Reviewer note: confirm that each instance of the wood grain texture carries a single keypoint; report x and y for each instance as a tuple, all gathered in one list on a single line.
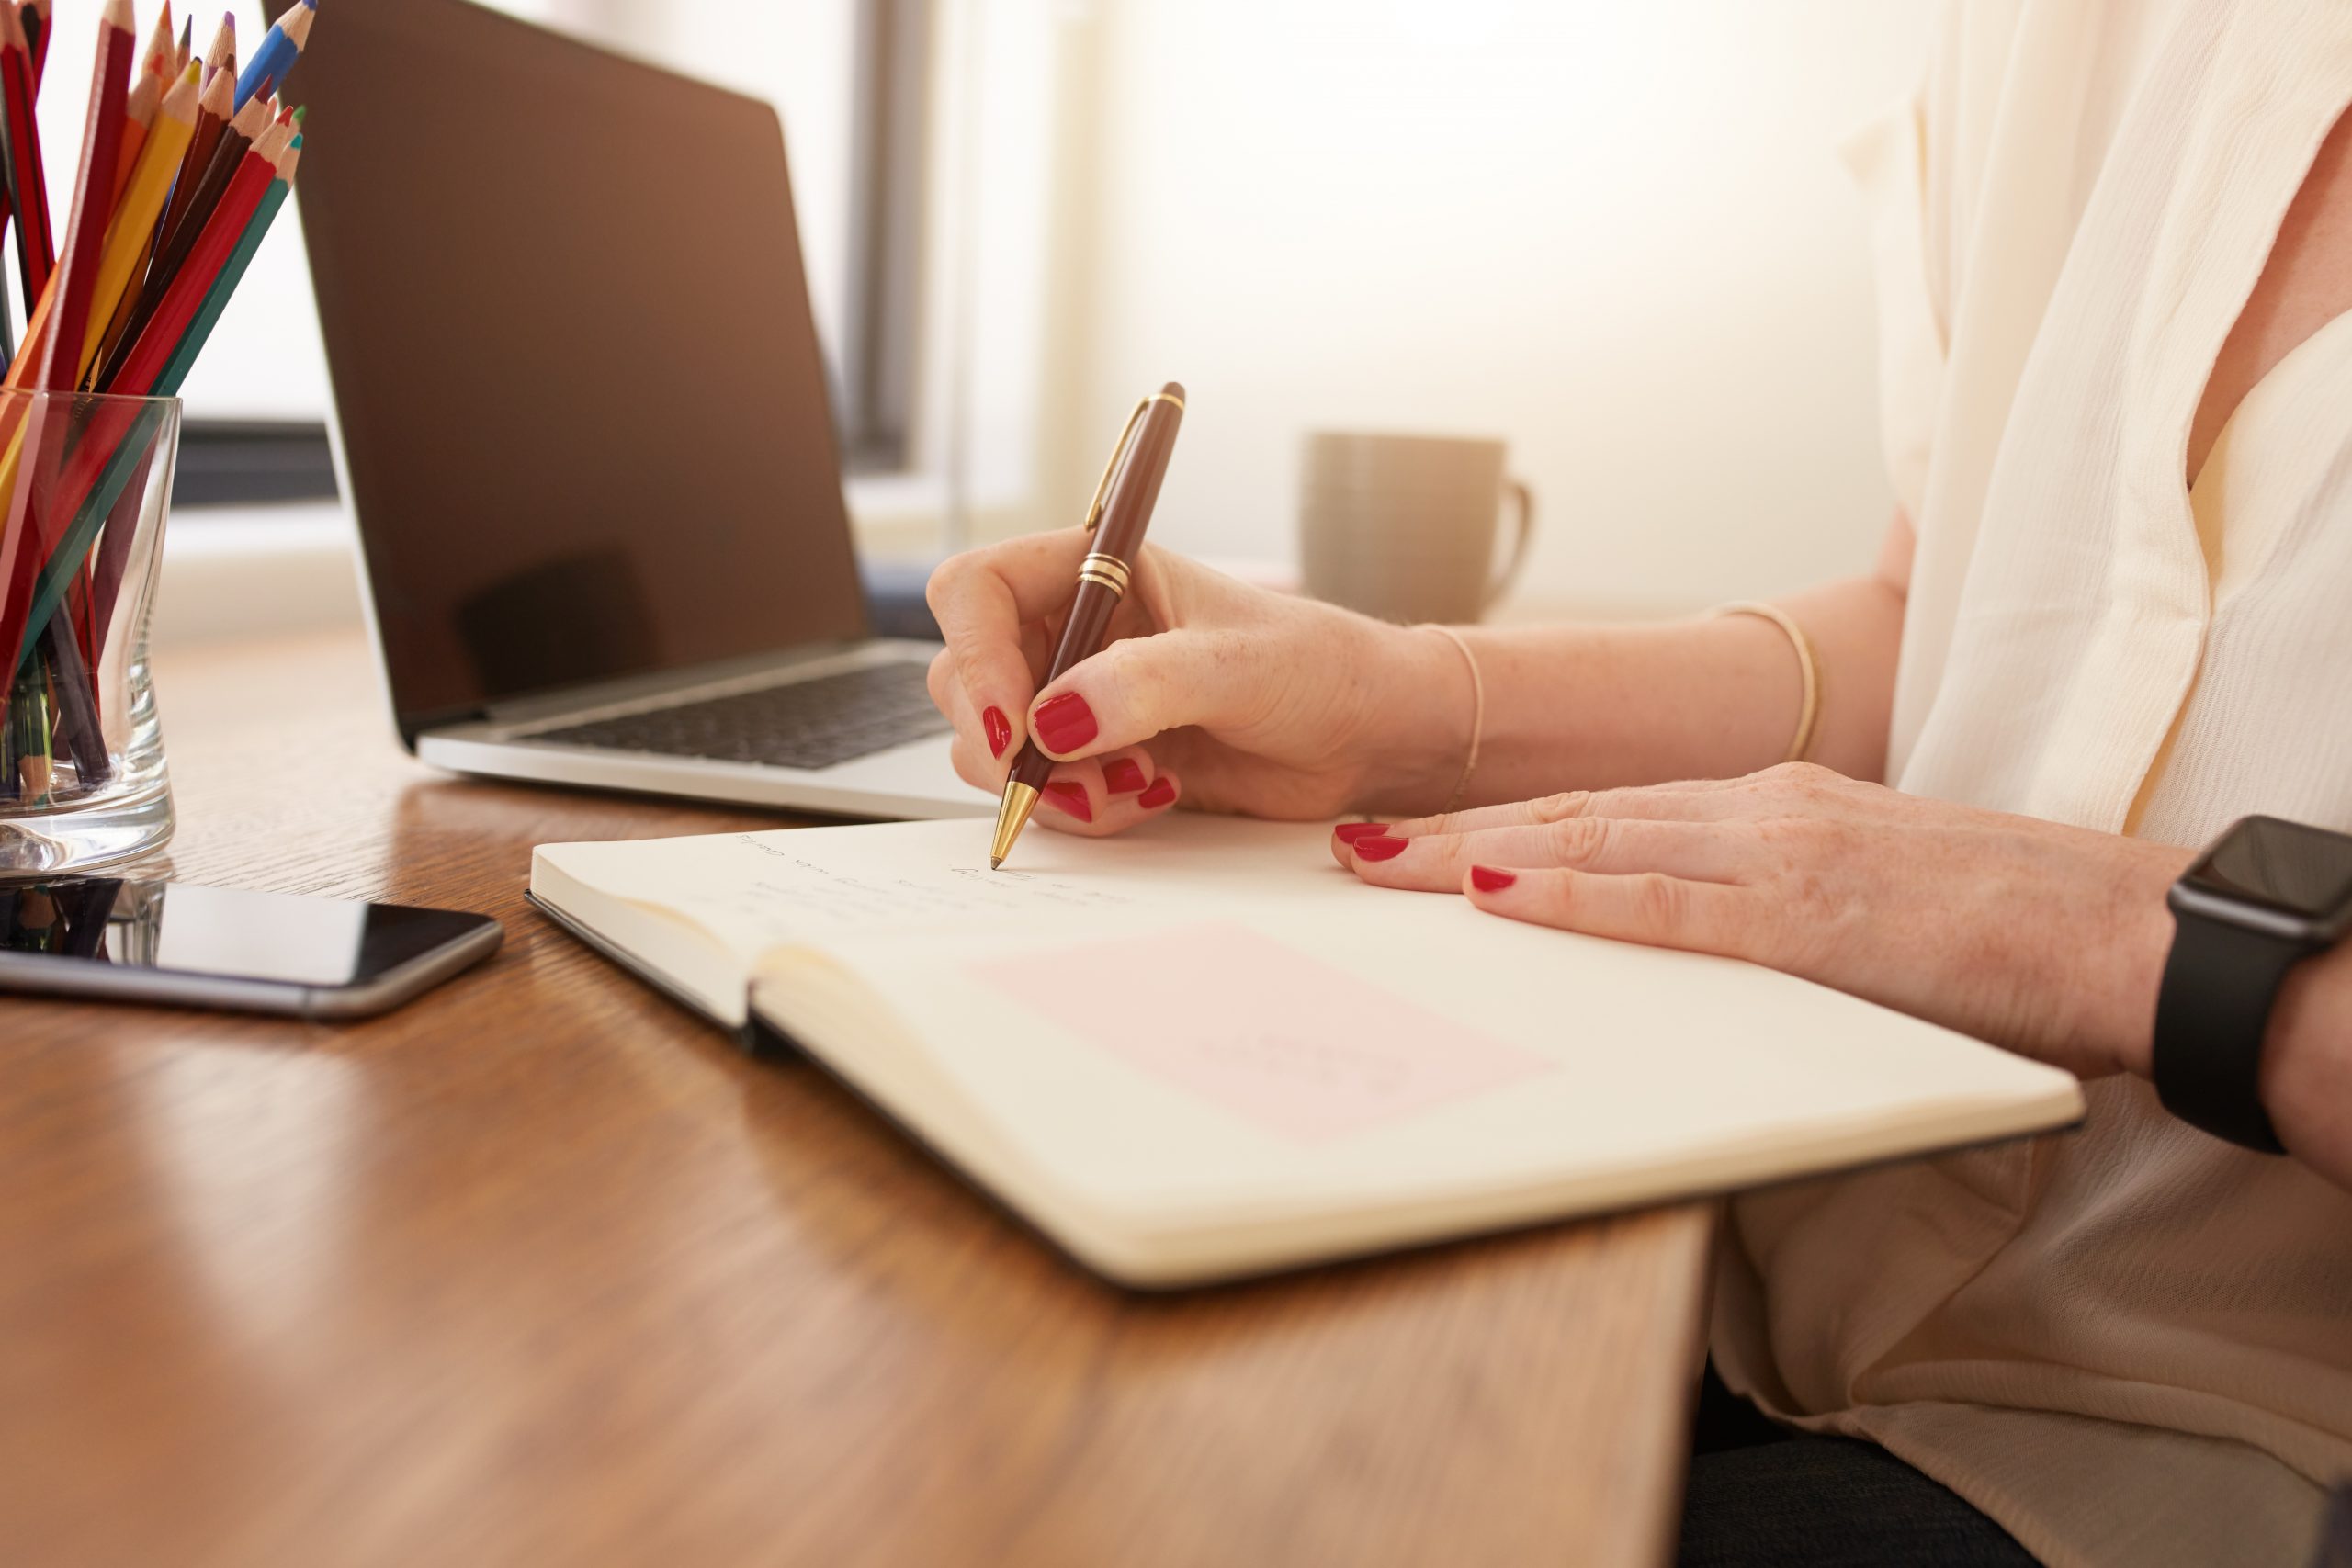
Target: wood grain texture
[(539, 1271)]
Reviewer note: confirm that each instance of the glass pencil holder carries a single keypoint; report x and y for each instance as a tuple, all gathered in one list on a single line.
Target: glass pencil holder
[(86, 481)]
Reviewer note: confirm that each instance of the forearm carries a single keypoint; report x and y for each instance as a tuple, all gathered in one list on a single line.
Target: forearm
[(1593, 707), (2307, 1065)]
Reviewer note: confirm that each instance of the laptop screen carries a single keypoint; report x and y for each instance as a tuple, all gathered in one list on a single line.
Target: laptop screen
[(582, 407)]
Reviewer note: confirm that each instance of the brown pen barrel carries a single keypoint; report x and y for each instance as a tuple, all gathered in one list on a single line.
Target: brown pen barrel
[(1090, 618), (1118, 539)]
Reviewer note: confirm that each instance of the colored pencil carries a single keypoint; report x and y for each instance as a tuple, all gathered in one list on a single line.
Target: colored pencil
[(35, 248), (112, 555), (222, 56), (78, 732), (27, 537), (278, 53), (188, 38), (183, 360), (108, 449), (142, 206), (36, 37), (93, 209), (192, 279), (155, 75), (212, 113), (128, 239), (211, 125), (178, 231)]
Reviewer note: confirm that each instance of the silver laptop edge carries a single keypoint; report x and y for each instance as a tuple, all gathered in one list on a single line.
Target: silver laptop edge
[(913, 780)]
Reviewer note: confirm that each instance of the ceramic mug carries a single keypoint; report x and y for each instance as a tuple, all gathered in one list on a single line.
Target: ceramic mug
[(1403, 527)]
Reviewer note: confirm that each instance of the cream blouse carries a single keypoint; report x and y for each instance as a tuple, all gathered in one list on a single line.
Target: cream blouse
[(2131, 1344)]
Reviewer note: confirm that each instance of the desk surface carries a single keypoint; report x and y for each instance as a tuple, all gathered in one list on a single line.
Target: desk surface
[(539, 1271)]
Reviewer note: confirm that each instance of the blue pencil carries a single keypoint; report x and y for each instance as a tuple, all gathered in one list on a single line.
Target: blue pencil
[(278, 53)]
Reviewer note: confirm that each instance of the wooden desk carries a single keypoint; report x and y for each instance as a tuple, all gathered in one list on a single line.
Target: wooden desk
[(539, 1270)]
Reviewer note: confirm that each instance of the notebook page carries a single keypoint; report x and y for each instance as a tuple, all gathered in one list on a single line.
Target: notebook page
[(756, 892), (1471, 1052)]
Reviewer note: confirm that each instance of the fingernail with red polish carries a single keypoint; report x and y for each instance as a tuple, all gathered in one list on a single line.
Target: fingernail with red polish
[(1160, 792), (1071, 797), (1065, 724), (1487, 879), (1122, 776), (1379, 846), (999, 731), (1351, 832)]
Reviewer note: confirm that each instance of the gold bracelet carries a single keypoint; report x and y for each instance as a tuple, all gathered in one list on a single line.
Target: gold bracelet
[(1477, 712), (1807, 666)]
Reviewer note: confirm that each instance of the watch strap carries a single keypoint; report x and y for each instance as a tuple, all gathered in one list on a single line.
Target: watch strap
[(2211, 1014)]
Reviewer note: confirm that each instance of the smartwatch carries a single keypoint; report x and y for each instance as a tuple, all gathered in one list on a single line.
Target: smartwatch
[(2266, 894)]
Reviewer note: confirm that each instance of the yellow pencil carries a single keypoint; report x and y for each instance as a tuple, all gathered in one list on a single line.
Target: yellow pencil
[(142, 203)]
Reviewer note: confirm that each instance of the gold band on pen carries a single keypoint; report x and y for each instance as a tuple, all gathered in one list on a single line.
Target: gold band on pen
[(1108, 570)]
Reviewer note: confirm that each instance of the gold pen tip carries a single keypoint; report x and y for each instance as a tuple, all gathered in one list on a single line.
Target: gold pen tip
[(1019, 800)]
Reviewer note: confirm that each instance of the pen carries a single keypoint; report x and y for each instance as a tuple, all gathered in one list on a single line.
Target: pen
[(1116, 517)]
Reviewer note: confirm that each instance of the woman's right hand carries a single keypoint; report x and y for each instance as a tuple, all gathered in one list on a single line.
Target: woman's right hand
[(1231, 697)]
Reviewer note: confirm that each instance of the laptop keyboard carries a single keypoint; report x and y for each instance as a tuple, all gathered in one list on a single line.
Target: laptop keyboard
[(802, 724)]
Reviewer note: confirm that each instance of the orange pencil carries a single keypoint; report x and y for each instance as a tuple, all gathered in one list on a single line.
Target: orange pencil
[(146, 97)]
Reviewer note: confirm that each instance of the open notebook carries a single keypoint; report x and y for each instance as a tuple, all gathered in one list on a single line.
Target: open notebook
[(1203, 1050)]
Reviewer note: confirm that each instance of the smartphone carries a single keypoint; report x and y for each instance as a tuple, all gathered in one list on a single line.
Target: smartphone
[(218, 947)]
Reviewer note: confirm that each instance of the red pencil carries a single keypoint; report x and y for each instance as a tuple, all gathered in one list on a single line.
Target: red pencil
[(86, 227), (36, 29), (36, 250), (193, 282)]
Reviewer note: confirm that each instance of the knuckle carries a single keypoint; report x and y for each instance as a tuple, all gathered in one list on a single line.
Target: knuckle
[(1577, 840), (1564, 807), (1663, 903), (1137, 679), (946, 582), (1801, 781)]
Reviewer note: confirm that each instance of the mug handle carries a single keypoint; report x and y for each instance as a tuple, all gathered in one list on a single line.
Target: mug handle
[(1524, 535)]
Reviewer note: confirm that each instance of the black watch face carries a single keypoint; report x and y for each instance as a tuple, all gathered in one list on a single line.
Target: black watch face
[(2282, 866)]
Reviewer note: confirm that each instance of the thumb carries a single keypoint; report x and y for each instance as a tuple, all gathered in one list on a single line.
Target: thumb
[(1139, 686)]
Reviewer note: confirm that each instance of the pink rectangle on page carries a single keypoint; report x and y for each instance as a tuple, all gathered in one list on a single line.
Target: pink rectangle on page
[(1278, 1038)]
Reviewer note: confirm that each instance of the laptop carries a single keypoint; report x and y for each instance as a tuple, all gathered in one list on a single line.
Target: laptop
[(581, 416)]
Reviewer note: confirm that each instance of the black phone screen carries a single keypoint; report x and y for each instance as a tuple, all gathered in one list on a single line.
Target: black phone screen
[(178, 928)]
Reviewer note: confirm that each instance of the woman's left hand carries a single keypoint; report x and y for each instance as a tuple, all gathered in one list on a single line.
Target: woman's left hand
[(2046, 939)]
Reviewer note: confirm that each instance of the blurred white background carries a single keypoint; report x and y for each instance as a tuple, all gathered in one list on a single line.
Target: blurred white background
[(1617, 235)]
